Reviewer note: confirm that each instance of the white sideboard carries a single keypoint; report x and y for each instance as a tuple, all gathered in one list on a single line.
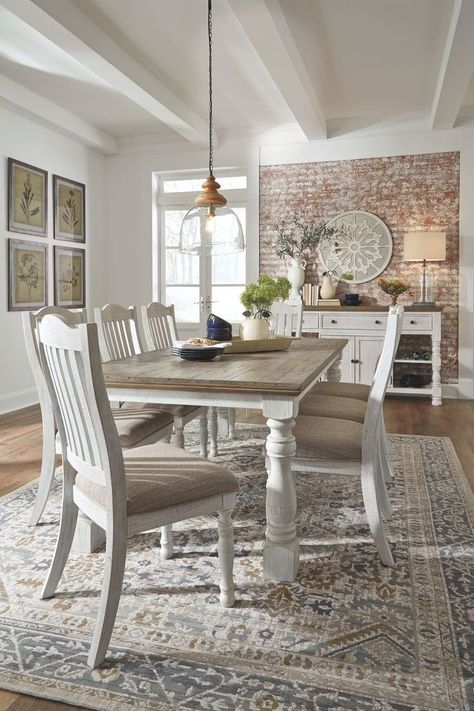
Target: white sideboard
[(364, 326)]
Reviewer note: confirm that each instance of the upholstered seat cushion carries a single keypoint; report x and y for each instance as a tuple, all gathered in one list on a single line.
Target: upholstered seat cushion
[(358, 391), (161, 475), (344, 408), (135, 422), (328, 438)]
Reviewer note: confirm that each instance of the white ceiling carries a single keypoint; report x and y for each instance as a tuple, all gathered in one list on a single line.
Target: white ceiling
[(140, 68)]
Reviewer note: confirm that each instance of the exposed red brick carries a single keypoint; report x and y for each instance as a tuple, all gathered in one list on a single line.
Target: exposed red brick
[(406, 192)]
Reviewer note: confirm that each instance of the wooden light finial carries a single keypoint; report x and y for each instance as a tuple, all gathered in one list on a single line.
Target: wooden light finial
[(210, 194)]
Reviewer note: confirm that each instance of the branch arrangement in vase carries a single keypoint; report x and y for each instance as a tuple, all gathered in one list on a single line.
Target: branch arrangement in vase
[(295, 237)]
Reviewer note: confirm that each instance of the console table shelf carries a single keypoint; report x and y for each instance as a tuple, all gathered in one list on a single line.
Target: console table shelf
[(364, 326)]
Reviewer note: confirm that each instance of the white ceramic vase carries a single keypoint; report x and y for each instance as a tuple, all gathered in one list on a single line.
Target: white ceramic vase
[(328, 287), (254, 329), (296, 276)]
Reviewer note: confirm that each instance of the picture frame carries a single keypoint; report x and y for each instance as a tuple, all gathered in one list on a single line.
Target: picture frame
[(69, 277), (27, 275), (69, 207), (27, 198)]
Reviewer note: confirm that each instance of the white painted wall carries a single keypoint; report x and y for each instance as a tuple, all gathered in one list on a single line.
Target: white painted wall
[(131, 203), (29, 141)]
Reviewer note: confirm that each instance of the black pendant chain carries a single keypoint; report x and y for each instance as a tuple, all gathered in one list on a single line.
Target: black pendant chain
[(209, 34)]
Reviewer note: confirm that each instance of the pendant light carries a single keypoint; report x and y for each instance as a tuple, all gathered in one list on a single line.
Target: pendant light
[(210, 227)]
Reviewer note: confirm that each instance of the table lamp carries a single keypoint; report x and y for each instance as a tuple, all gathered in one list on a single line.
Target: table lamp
[(424, 247)]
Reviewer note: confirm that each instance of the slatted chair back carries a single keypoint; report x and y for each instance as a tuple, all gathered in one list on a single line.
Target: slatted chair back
[(31, 319), (118, 335), (381, 378), (73, 371), (157, 326), (287, 318)]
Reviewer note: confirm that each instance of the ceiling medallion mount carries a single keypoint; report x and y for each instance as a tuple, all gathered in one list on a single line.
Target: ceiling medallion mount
[(210, 227)]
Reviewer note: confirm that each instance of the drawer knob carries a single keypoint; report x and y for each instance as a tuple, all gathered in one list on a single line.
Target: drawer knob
[(354, 360), (379, 323), (333, 320), (412, 322)]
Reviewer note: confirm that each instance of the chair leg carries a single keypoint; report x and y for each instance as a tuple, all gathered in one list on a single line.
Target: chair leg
[(166, 542), (387, 464), (47, 466), (213, 431), (115, 555), (178, 432), (203, 434), (226, 558), (231, 417), (67, 527), (369, 492), (383, 500)]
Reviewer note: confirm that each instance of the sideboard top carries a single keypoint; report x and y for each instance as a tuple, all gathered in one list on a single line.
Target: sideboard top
[(372, 308)]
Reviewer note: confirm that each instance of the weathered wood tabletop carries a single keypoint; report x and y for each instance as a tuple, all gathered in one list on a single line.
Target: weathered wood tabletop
[(281, 372)]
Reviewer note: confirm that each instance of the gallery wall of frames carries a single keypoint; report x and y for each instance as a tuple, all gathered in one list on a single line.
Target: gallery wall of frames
[(32, 193)]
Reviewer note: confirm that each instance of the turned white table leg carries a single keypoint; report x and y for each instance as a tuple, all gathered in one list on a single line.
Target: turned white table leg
[(281, 549), (203, 434), (213, 431), (334, 371), (436, 365), (223, 422), (166, 542)]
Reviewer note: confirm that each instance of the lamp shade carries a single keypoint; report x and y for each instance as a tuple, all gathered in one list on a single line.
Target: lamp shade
[(430, 246)]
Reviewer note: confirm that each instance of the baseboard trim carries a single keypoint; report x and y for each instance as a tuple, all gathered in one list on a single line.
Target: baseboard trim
[(466, 389), (18, 400)]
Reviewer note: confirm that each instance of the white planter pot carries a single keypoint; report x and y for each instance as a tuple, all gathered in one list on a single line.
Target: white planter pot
[(296, 276), (254, 329)]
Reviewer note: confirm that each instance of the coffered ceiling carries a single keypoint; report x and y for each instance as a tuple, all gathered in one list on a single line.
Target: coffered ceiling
[(103, 70)]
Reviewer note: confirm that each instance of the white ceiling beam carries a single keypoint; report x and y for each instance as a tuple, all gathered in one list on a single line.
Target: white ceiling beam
[(17, 96), (457, 66), (266, 27), (65, 25)]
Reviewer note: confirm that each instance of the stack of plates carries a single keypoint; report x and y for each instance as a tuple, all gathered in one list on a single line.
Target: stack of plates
[(196, 352)]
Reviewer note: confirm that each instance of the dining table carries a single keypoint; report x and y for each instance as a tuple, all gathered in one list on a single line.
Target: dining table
[(273, 382)]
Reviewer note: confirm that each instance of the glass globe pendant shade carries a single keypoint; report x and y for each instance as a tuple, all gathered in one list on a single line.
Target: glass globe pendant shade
[(211, 230)]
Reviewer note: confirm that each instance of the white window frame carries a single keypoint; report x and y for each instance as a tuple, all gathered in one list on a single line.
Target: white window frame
[(238, 197)]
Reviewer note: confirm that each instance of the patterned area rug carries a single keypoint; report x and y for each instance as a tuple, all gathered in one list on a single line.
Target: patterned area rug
[(349, 634)]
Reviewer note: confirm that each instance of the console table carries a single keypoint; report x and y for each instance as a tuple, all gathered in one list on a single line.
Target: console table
[(364, 326)]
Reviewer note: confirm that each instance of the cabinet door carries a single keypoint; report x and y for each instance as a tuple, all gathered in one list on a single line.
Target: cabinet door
[(366, 354), (347, 366)]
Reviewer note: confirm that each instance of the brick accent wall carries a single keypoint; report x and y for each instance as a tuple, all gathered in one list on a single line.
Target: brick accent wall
[(406, 192)]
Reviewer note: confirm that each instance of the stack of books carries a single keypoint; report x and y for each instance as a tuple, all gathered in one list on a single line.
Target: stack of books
[(311, 297), (329, 302), (310, 294)]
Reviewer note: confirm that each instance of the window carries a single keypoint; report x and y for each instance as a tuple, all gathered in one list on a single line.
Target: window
[(198, 284)]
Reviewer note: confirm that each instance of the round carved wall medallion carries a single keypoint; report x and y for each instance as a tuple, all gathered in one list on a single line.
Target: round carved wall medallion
[(362, 248)]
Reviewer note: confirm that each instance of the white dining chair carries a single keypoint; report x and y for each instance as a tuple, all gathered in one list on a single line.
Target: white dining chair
[(348, 401), (135, 425), (123, 491), (122, 335), (287, 318), (331, 445)]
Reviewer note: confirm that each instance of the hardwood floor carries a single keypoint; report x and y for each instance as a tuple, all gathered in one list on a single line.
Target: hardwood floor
[(20, 462)]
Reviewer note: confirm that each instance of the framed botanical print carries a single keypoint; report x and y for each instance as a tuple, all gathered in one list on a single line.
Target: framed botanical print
[(27, 198), (69, 277), (69, 199), (27, 275)]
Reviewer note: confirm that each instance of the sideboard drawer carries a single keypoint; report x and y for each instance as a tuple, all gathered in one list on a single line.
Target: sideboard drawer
[(417, 322), (310, 321), (353, 321)]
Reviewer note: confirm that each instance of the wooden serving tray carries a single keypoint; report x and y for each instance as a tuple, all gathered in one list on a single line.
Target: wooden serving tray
[(279, 343)]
